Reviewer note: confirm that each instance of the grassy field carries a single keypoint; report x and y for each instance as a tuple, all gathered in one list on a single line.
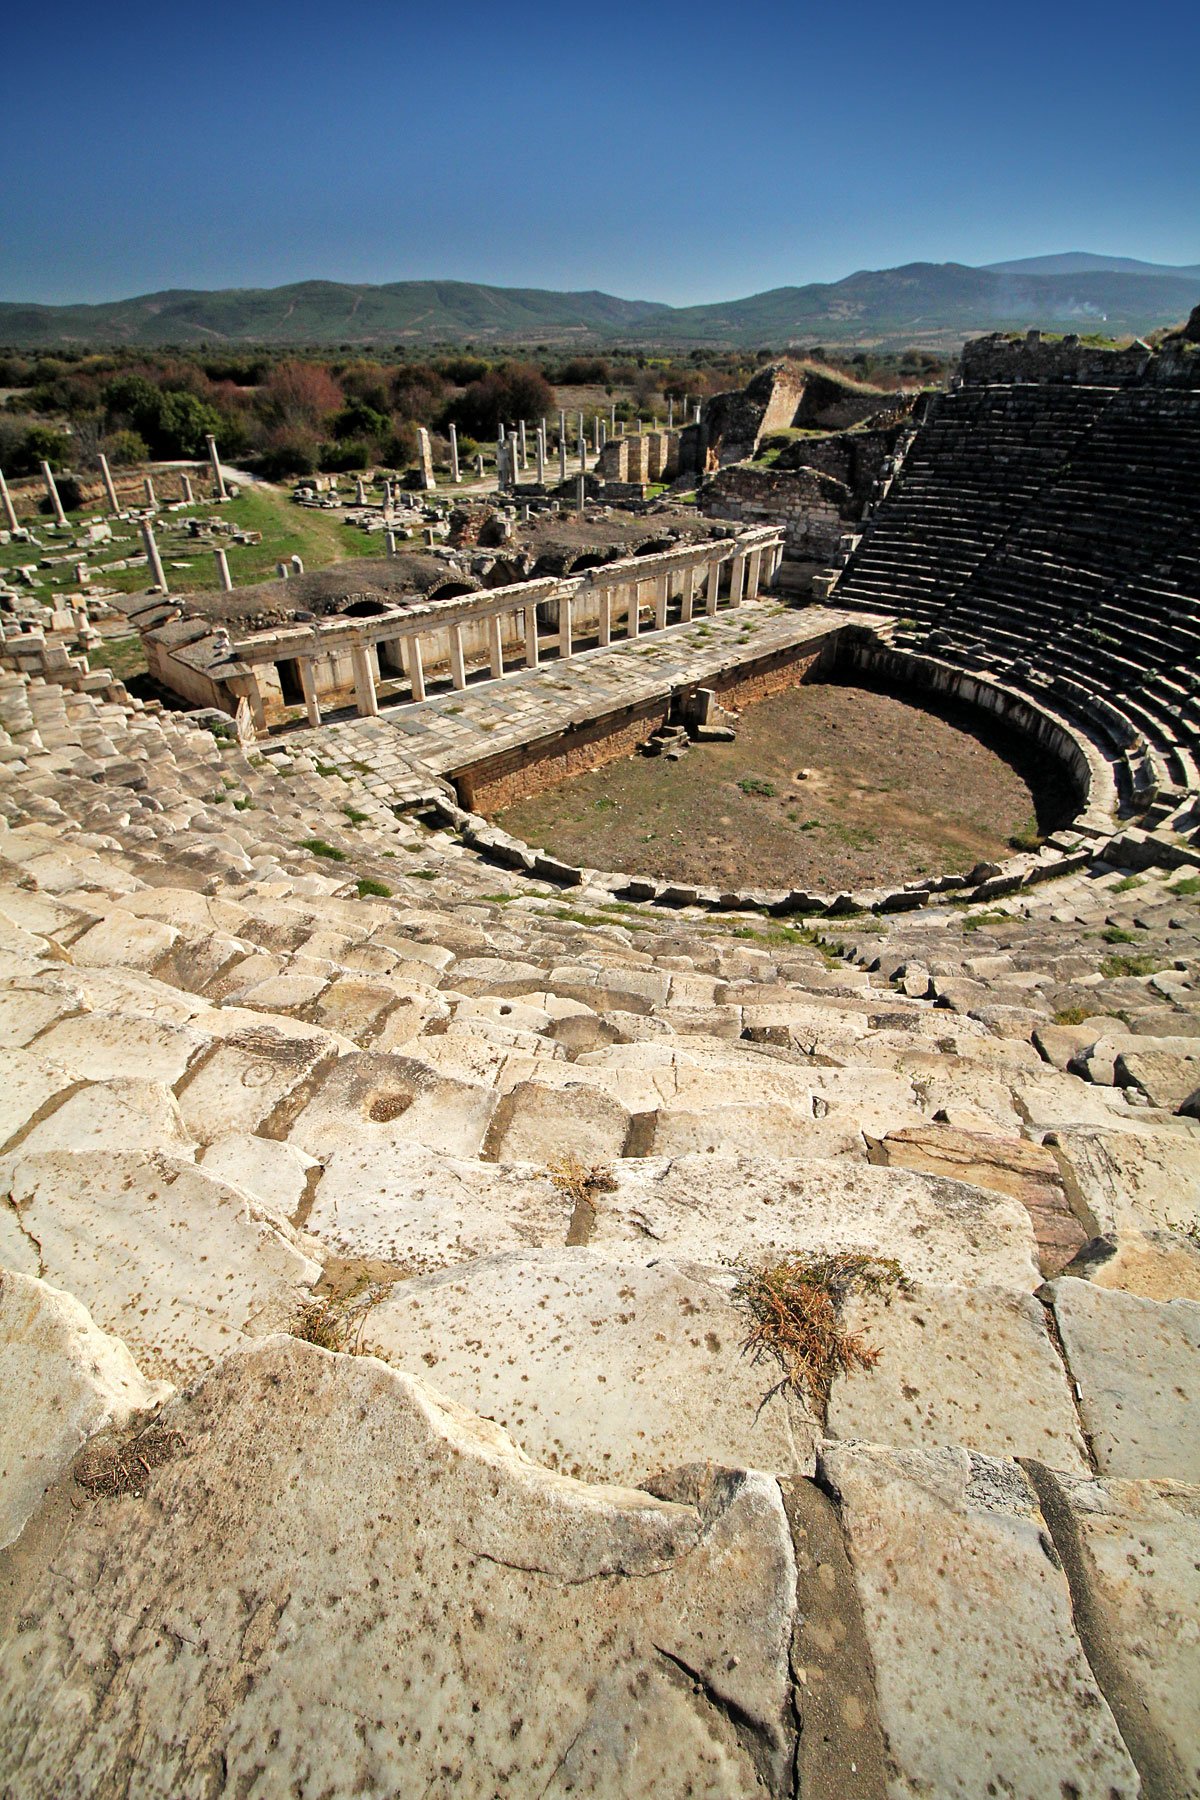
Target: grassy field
[(287, 530), (888, 792)]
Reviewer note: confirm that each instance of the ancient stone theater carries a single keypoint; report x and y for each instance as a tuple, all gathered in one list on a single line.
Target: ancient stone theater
[(625, 1307)]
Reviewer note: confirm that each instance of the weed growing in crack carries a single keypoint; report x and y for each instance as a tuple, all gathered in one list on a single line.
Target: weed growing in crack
[(796, 1307)]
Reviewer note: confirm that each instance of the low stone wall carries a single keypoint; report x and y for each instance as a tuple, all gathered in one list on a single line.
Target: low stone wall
[(500, 781), (747, 684), (925, 674)]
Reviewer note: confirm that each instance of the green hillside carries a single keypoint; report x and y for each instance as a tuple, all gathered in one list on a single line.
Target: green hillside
[(938, 304)]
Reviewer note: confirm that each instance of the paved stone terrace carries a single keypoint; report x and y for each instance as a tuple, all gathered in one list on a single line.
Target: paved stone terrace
[(399, 755)]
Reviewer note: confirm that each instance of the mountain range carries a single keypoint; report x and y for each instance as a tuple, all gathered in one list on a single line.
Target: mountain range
[(932, 305)]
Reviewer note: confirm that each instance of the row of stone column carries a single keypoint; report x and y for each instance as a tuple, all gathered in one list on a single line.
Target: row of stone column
[(619, 604)]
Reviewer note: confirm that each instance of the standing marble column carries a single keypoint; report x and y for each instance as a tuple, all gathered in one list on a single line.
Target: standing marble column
[(455, 474), (541, 456), (458, 671), (52, 492), (185, 489), (151, 500), (223, 576), (416, 668), (308, 687), (109, 485), (364, 681), (215, 460), (524, 447), (153, 557), (495, 647), (562, 458), (10, 511)]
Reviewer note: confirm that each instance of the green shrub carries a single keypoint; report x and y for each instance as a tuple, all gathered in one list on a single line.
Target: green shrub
[(369, 888), (319, 847)]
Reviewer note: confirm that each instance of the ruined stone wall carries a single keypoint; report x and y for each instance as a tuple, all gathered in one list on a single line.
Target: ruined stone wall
[(514, 775), (812, 507), (993, 359), (855, 458), (744, 686)]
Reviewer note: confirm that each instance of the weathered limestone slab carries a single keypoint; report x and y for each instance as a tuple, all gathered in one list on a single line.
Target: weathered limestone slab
[(983, 1687), (743, 1130), (112, 1115), (242, 1080), (366, 1100), (1167, 1078), (606, 1368), (26, 1011), (1140, 1192), (123, 941), (27, 1084), (61, 1381), (958, 1365), (98, 1046), (1132, 1550), (405, 1204), (1007, 1165), (275, 1175), (705, 1209), (538, 1123), (396, 1601), (1137, 1363), (176, 1264)]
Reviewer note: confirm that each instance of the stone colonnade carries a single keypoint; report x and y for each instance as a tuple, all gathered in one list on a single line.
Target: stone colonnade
[(594, 609)]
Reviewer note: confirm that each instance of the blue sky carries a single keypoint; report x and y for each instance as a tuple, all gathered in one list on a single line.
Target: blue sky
[(659, 151)]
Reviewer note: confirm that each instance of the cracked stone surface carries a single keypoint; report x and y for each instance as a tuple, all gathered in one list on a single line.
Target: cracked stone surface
[(62, 1381), (272, 1586), (605, 1367)]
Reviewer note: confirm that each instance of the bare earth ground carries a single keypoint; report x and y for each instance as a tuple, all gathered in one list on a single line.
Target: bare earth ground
[(893, 791)]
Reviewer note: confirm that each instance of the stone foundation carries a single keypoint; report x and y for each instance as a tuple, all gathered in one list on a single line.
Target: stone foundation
[(490, 786)]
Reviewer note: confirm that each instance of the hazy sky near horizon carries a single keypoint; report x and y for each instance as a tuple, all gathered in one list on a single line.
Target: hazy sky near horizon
[(664, 151)]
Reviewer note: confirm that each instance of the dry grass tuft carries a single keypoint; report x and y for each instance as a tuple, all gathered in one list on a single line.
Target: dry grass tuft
[(110, 1470), (328, 1324), (797, 1305), (581, 1183), (578, 1181)]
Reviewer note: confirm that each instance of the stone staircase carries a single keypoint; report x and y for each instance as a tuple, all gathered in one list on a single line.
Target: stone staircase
[(267, 1042)]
